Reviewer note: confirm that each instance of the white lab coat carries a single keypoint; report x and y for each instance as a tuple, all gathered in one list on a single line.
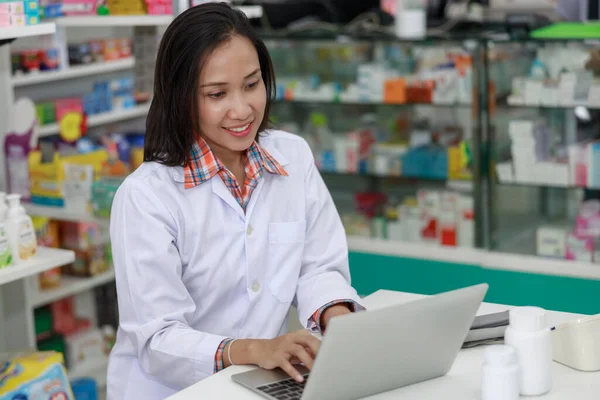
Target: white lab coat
[(192, 269)]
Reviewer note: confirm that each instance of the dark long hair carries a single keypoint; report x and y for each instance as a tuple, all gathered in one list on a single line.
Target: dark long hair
[(189, 40)]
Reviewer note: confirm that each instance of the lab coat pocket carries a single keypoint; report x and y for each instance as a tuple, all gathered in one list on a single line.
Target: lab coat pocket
[(286, 245)]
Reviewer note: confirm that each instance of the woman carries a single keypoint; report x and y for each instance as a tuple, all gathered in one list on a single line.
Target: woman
[(225, 225)]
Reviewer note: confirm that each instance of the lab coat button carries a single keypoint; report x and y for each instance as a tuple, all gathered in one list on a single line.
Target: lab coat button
[(249, 230), (255, 287)]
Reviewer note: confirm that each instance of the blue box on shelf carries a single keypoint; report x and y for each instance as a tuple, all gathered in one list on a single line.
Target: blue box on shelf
[(428, 162), (51, 11), (328, 161)]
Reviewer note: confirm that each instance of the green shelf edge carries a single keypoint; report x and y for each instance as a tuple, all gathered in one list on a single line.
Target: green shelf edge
[(568, 30)]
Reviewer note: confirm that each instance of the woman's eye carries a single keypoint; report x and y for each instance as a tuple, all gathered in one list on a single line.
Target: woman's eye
[(216, 95), (252, 85)]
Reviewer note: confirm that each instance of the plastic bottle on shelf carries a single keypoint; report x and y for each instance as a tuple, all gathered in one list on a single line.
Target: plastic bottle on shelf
[(500, 375), (411, 19), (21, 233), (5, 251), (529, 334), (322, 140)]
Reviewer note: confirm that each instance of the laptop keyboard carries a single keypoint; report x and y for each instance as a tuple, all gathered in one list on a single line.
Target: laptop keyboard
[(285, 390)]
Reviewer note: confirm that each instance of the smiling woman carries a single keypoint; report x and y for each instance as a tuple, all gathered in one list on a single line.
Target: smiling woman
[(202, 89), (216, 235)]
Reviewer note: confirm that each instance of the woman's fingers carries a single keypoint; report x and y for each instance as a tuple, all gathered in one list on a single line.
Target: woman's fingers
[(289, 369), (302, 355), (307, 340)]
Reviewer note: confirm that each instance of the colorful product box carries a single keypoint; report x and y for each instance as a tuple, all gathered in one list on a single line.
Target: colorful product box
[(578, 164), (593, 176), (448, 219), (49, 60), (19, 7), (46, 113), (79, 235), (580, 248), (588, 219), (111, 50), (38, 375), (80, 54), (12, 20), (429, 206), (64, 106), (124, 47), (79, 7), (15, 8), (52, 11), (97, 50)]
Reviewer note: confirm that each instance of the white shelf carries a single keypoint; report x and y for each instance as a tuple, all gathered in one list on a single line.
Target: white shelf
[(59, 213), (478, 257), (25, 31), (44, 260), (540, 265), (520, 102), (432, 252), (100, 119), (74, 72), (116, 20), (95, 369), (70, 286)]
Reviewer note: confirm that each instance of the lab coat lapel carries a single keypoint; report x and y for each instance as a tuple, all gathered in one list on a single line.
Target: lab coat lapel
[(255, 195), (221, 190)]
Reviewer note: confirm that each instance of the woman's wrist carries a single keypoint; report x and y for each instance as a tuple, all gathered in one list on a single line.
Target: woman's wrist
[(242, 352)]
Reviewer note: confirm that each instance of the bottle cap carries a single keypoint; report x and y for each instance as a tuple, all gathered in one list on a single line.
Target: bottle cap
[(527, 319), (13, 199), (500, 356)]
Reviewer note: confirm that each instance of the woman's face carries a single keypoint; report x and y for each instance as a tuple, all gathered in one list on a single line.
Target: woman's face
[(232, 96)]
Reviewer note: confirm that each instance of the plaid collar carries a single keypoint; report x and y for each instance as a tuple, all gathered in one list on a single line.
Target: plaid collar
[(204, 165)]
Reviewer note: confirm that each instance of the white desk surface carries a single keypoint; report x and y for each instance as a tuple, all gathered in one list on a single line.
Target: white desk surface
[(461, 383)]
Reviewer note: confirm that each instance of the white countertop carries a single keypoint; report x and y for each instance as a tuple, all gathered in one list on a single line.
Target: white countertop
[(461, 383)]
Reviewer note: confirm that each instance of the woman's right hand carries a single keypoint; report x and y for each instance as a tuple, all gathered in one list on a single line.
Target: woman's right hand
[(287, 350)]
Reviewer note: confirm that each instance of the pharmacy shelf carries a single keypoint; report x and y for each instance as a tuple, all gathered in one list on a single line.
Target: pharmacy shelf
[(69, 286), (59, 213), (457, 184), (539, 265), (517, 102), (96, 369), (545, 185), (478, 257), (100, 119), (432, 252), (74, 72), (319, 100), (44, 260), (117, 20), (25, 31)]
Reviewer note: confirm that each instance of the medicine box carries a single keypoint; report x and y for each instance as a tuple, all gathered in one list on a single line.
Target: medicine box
[(429, 206), (551, 242), (580, 247)]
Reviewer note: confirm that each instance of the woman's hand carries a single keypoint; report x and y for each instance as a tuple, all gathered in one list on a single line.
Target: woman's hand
[(284, 351)]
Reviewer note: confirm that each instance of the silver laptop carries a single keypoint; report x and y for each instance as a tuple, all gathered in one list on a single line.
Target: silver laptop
[(372, 352)]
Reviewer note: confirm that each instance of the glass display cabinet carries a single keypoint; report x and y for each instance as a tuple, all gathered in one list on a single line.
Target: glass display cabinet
[(393, 128), (544, 150)]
